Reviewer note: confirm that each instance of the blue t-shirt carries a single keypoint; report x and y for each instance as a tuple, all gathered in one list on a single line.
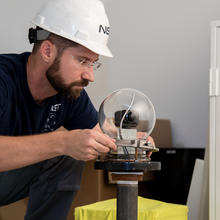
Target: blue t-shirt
[(21, 115)]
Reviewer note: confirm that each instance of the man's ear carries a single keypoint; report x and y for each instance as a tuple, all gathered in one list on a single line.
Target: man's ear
[(48, 51)]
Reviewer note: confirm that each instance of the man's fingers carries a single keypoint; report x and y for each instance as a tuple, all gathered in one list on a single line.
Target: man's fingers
[(151, 140), (105, 140), (101, 149)]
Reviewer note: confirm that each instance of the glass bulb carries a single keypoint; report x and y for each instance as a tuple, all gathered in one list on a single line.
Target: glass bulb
[(127, 115)]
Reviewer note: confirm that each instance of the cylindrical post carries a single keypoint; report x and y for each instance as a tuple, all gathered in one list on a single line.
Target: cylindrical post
[(127, 197)]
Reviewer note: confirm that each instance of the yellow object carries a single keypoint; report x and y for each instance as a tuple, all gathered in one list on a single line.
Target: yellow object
[(148, 209)]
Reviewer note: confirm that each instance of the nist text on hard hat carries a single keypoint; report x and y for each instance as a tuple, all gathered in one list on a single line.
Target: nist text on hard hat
[(105, 30)]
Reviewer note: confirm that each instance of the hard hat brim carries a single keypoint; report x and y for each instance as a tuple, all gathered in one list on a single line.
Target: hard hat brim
[(100, 49)]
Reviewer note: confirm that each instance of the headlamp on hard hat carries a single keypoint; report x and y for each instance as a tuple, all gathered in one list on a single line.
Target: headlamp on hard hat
[(37, 34)]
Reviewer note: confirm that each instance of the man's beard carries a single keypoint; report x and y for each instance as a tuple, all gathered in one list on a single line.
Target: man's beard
[(56, 81)]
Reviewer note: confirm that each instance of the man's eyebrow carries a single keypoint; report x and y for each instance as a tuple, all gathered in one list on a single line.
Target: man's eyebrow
[(86, 58)]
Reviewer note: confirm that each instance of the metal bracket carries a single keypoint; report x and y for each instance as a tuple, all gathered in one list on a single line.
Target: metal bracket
[(141, 144)]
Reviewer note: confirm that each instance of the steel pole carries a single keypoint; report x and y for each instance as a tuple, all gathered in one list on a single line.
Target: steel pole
[(127, 200)]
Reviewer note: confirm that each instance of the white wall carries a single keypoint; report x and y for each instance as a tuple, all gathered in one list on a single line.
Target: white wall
[(15, 20), (160, 48)]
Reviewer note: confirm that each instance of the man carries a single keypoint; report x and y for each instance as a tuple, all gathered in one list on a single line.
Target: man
[(41, 91)]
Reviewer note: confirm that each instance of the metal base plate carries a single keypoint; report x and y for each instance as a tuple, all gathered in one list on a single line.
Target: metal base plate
[(122, 166)]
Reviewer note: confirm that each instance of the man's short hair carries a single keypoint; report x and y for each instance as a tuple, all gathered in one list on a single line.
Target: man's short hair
[(61, 43)]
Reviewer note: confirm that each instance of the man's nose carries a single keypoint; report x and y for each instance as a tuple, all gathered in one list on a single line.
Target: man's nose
[(88, 74)]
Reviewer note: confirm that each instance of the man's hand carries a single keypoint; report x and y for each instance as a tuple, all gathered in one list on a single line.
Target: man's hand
[(151, 140), (87, 144)]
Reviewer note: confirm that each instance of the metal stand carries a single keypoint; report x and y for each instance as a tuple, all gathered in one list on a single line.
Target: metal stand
[(127, 175), (127, 194), (127, 200)]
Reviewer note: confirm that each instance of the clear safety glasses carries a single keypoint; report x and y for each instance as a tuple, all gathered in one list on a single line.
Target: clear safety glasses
[(84, 62)]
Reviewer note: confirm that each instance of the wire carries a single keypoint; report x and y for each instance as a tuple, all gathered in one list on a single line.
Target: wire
[(120, 135), (122, 119)]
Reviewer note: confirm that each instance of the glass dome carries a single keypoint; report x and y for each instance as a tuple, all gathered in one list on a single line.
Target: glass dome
[(127, 115)]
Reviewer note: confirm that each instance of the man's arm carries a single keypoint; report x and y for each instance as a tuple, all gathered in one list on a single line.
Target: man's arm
[(87, 144)]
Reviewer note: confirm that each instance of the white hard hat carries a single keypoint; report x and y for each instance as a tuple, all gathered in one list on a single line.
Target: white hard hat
[(82, 21)]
